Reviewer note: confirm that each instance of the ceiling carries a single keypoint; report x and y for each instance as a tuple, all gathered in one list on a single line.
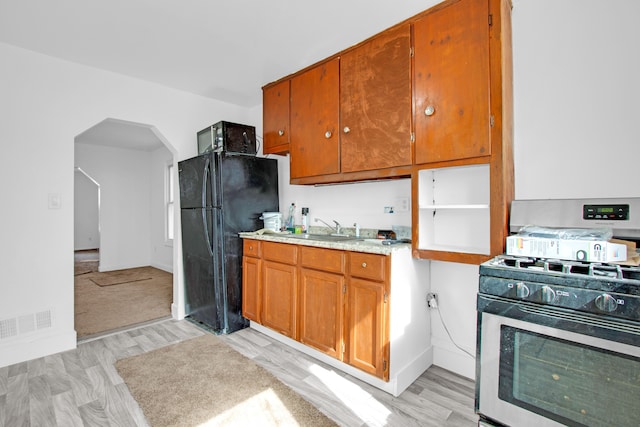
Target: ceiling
[(226, 50)]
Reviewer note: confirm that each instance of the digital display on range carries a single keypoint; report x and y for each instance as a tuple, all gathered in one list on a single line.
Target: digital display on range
[(606, 212)]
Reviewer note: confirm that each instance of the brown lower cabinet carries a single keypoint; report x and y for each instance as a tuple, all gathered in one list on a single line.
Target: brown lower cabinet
[(252, 277), (366, 327), (279, 293), (321, 311), (331, 300)]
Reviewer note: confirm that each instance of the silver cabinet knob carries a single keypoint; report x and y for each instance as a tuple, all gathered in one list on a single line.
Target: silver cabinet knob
[(280, 132), (346, 129), (327, 134), (429, 110), (364, 265)]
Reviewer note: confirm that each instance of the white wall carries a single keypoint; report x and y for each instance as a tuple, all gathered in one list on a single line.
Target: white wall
[(125, 203), (45, 104), (347, 203), (129, 227), (576, 67), (86, 233)]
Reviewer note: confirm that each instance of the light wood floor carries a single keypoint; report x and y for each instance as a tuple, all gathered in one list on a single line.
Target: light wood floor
[(82, 388)]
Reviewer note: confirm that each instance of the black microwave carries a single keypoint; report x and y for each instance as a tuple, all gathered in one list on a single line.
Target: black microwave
[(229, 137)]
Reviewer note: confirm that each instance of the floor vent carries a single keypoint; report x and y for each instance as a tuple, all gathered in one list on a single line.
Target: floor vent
[(13, 327)]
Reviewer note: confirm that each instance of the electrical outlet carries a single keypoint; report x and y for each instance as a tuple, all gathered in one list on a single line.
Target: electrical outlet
[(432, 300), (402, 204)]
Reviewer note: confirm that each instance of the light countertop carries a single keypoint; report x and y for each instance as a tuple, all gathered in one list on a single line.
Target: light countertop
[(349, 245)]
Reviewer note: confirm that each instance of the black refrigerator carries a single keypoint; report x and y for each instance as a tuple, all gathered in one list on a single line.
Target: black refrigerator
[(221, 194)]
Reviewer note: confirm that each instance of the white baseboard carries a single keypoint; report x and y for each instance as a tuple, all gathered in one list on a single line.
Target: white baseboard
[(163, 267), (176, 313), (396, 384), (114, 267), (446, 356), (36, 345), (406, 376)]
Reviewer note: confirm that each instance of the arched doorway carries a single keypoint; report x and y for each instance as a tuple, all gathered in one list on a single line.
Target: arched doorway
[(132, 162)]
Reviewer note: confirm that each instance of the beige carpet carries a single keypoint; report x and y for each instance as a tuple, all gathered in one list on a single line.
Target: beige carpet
[(100, 309), (204, 382)]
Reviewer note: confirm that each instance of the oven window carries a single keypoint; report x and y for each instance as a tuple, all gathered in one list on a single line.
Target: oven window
[(571, 383)]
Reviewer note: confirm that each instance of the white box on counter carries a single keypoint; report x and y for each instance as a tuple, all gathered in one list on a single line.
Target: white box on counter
[(576, 250)]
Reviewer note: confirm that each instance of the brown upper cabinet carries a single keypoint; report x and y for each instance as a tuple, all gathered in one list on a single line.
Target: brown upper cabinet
[(452, 83), (315, 141), (275, 120), (350, 116), (430, 98), (375, 103)]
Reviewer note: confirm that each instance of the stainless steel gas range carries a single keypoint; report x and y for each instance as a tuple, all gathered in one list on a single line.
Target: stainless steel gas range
[(559, 341)]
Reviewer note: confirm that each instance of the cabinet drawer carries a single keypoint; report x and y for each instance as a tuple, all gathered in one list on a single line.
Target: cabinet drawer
[(251, 248), (280, 252), (322, 259), (368, 266)]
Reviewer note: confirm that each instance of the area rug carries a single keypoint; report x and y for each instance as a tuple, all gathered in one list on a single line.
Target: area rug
[(204, 382), (119, 277)]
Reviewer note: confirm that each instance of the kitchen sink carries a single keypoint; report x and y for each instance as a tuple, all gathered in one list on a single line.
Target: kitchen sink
[(323, 237)]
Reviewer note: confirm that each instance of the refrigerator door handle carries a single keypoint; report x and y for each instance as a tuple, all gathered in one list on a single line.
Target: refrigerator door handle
[(205, 179), (205, 224)]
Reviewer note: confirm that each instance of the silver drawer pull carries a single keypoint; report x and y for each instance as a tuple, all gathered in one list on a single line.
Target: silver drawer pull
[(364, 265), (280, 132), (429, 110), (327, 134)]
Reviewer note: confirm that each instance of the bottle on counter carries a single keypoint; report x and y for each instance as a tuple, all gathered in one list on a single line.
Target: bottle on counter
[(290, 219), (305, 220)]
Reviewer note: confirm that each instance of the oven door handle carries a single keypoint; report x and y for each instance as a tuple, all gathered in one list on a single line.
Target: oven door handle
[(605, 327)]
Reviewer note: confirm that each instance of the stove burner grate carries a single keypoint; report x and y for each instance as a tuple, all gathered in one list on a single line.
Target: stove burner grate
[(603, 270)]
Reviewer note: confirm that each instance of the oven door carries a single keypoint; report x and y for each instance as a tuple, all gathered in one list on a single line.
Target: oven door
[(550, 367)]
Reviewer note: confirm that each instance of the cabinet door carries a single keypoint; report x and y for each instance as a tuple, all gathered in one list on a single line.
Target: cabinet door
[(451, 66), (367, 348), (321, 311), (279, 297), (315, 140), (275, 120), (251, 288), (375, 103)]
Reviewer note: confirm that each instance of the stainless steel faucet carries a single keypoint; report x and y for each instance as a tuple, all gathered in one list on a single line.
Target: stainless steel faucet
[(337, 229)]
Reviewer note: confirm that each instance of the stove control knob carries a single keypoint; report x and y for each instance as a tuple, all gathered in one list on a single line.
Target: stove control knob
[(606, 302), (522, 291), (547, 294)]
